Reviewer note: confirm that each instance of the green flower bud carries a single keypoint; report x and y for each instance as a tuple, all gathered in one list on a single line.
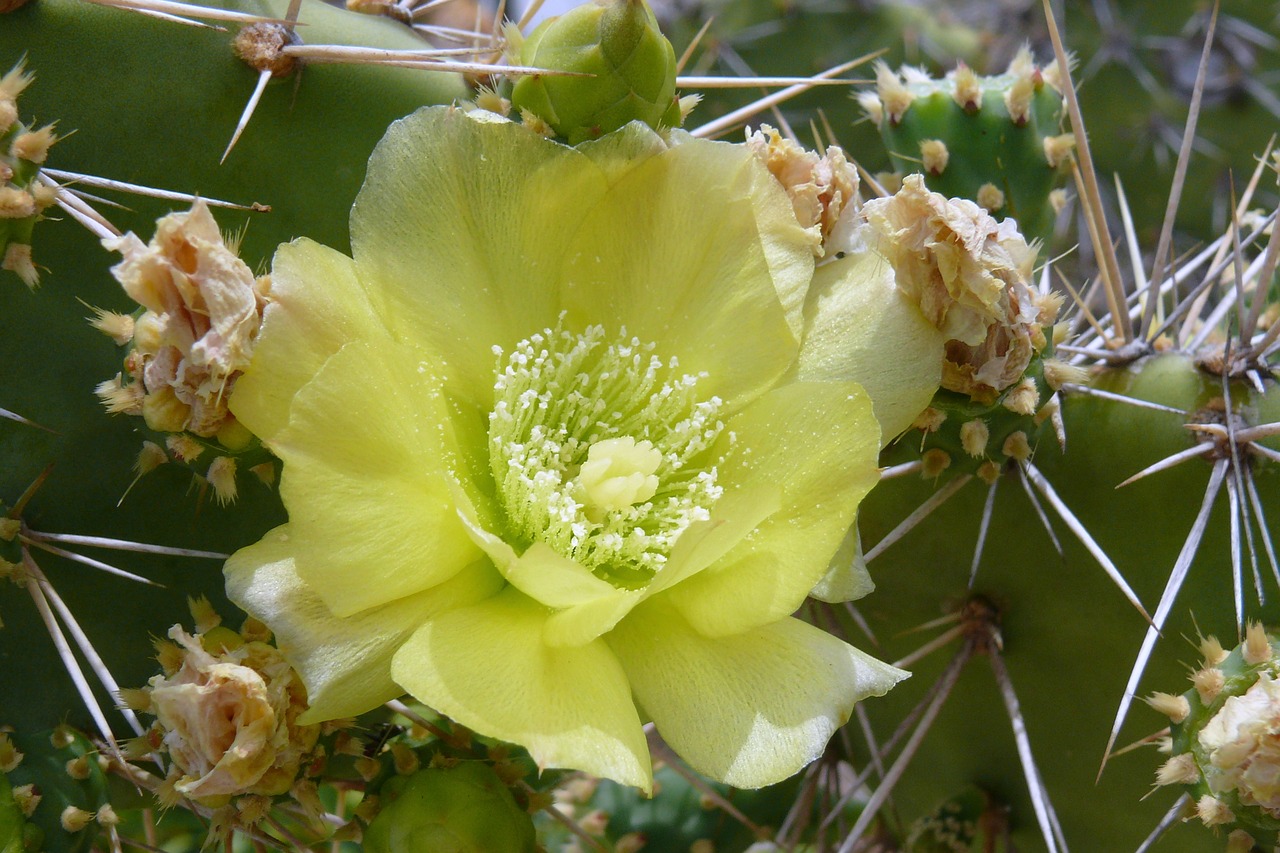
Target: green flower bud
[(632, 64), (464, 809)]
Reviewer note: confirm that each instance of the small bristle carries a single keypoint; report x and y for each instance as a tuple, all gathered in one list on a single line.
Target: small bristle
[(895, 96), (934, 156), (968, 91), (1176, 708), (1213, 811), (990, 197), (1016, 446), (974, 436), (935, 462), (1212, 651), (1208, 683), (1257, 646), (1179, 770)]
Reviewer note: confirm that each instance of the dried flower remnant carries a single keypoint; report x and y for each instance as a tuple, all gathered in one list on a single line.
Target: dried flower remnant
[(228, 716), (203, 308), (823, 189), (969, 274)]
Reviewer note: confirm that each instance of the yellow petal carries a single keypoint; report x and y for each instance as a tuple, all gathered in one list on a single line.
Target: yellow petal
[(317, 306), (860, 327), (462, 226), (344, 662), (697, 248), (847, 578), (367, 481), (751, 709), (487, 667), (816, 441)]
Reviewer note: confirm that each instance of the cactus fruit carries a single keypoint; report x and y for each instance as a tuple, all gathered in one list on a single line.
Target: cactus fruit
[(57, 781), (465, 808), (994, 140), (1222, 734), (23, 198)]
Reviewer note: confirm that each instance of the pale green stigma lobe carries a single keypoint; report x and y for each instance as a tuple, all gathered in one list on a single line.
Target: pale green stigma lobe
[(599, 450)]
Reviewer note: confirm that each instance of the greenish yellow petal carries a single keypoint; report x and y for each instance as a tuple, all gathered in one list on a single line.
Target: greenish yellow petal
[(486, 667), (303, 325), (713, 290), (818, 442), (860, 327), (555, 580), (734, 517), (462, 227), (367, 480), (847, 578), (751, 709), (345, 663), (619, 152)]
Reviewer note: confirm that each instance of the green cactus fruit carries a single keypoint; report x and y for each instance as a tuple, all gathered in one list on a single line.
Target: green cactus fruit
[(463, 809), (961, 435), (681, 815), (994, 140), (1223, 749), (970, 822), (59, 785), (632, 68), (23, 198), (13, 824)]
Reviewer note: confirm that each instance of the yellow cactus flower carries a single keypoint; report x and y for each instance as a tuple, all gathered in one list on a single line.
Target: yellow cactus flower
[(567, 443)]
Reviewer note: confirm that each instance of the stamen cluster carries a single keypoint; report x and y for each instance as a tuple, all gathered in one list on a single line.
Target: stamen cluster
[(557, 395)]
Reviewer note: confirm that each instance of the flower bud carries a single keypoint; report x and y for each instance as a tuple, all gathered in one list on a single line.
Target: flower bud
[(464, 808), (631, 63)]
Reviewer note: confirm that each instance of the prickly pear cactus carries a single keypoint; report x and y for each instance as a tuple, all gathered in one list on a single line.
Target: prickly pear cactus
[(1031, 599)]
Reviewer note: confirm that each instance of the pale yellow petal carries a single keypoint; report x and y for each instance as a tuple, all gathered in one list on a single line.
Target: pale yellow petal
[(317, 306), (344, 662), (696, 248), (463, 224), (487, 667), (860, 327), (367, 480), (751, 709), (818, 442)]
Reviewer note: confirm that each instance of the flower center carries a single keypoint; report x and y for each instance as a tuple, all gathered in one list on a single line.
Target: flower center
[(598, 450)]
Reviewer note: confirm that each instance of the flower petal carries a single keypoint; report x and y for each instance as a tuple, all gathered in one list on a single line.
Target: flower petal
[(303, 325), (859, 326), (345, 663), (847, 578), (463, 223), (734, 517), (818, 442), (554, 580), (366, 480), (722, 292), (486, 667), (751, 709)]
